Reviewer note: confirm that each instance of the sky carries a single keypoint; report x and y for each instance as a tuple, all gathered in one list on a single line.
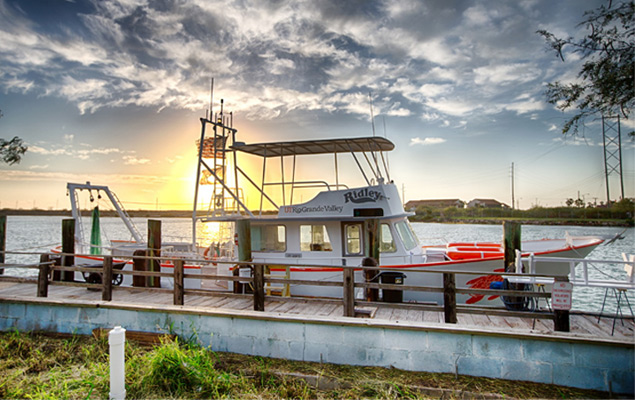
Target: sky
[(111, 92)]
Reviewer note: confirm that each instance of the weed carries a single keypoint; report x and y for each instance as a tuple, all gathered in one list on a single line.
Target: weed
[(36, 366)]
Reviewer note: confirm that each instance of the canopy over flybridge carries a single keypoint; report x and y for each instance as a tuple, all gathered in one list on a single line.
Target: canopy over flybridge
[(307, 147)]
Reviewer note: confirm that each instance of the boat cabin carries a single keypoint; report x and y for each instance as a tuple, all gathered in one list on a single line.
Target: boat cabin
[(329, 229)]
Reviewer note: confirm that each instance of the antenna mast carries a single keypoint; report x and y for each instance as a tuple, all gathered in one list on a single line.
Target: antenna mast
[(372, 117)]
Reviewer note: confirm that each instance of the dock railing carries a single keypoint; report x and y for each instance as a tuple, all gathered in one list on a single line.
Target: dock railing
[(51, 271)]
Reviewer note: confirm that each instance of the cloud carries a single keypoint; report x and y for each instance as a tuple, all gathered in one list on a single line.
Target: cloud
[(46, 149), (132, 160), (39, 167), (273, 58), (426, 141)]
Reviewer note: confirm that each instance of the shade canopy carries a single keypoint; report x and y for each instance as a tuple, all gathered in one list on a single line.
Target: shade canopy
[(306, 147)]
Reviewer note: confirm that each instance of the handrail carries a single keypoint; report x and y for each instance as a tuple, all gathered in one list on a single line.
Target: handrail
[(258, 279), (532, 278)]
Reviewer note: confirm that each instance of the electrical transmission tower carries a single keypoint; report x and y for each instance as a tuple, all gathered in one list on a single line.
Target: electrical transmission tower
[(612, 139)]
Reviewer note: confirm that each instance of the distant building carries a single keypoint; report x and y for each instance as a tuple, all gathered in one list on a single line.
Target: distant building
[(486, 203), (444, 203)]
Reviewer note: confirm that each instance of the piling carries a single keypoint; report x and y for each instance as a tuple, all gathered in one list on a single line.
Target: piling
[(139, 264), (449, 298), (371, 236), (43, 276), (154, 250), (106, 279), (370, 275), (259, 288), (242, 238), (179, 294), (511, 243), (349, 292), (371, 254), (68, 248)]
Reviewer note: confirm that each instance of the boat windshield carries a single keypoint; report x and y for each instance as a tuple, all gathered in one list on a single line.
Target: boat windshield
[(407, 235)]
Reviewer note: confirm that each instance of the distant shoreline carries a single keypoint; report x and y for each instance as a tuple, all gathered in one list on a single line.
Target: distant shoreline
[(482, 221)]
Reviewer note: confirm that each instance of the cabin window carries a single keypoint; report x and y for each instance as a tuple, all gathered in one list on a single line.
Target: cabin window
[(268, 238), (314, 238), (353, 239), (387, 243), (407, 235)]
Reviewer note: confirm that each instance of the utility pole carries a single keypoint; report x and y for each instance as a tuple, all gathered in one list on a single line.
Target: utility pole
[(512, 186)]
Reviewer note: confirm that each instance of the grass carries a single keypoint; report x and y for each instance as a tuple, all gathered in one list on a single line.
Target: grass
[(36, 366)]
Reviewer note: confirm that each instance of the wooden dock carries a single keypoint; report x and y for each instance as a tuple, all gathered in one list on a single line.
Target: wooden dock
[(583, 325)]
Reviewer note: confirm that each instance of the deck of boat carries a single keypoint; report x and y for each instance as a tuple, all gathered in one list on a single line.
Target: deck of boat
[(582, 325)]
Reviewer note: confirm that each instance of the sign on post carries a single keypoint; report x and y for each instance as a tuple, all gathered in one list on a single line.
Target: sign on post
[(561, 295)]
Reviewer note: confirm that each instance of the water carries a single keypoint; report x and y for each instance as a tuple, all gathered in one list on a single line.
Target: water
[(41, 233)]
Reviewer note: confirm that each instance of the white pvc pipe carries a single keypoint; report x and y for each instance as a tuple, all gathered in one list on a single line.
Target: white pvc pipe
[(117, 341)]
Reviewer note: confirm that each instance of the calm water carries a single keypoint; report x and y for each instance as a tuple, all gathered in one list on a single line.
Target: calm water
[(39, 234)]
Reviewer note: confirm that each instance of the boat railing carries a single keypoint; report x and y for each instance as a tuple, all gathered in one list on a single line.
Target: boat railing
[(578, 271)]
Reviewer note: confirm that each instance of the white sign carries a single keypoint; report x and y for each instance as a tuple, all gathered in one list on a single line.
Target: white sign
[(561, 295)]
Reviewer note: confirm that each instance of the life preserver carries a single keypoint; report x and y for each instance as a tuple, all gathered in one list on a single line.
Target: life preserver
[(470, 253), (474, 244)]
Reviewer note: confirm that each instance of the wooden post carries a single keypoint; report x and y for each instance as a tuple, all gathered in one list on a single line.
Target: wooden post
[(259, 287), (561, 317), (372, 294), (139, 264), (237, 286), (179, 294), (68, 247), (449, 298), (43, 276), (371, 252), (3, 240), (154, 250), (106, 280), (242, 238), (511, 243), (349, 292), (371, 234)]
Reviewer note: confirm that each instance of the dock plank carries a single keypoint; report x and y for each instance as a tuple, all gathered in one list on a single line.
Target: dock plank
[(432, 316), (581, 325)]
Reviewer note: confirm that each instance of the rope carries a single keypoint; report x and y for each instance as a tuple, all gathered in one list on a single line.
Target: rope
[(595, 267)]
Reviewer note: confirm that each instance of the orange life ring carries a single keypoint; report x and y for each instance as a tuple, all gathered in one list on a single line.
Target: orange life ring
[(470, 253), (474, 244)]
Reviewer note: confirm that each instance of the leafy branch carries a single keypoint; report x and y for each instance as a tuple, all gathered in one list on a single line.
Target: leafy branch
[(606, 79)]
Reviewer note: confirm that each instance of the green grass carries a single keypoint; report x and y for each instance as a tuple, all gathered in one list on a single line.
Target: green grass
[(36, 366)]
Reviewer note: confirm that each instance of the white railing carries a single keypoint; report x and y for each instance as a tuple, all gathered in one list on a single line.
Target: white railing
[(527, 265)]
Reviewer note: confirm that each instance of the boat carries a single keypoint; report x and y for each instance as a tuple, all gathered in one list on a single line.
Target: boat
[(313, 240), (90, 254), (309, 240)]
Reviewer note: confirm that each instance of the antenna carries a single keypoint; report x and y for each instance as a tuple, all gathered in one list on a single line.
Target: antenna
[(372, 117), (211, 99)]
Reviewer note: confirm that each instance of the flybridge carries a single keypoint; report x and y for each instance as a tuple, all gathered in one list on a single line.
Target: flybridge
[(219, 159)]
